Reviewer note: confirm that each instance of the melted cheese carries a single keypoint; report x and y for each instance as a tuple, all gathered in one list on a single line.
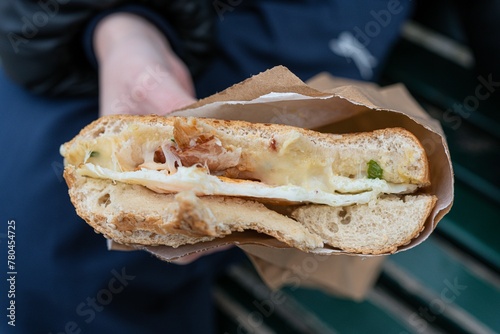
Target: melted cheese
[(200, 182), (293, 170)]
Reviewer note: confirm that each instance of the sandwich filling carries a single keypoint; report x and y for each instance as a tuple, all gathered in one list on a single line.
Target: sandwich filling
[(288, 168)]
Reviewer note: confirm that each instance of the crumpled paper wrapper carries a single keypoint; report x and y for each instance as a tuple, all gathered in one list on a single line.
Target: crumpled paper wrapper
[(325, 104)]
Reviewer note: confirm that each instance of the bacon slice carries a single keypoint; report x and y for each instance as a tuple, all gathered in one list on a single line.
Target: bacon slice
[(191, 147), (210, 153)]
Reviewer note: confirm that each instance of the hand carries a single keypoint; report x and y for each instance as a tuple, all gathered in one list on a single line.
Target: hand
[(138, 71), (140, 74)]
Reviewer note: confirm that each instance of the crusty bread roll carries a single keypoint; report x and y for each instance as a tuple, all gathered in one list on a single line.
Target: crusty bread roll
[(172, 180)]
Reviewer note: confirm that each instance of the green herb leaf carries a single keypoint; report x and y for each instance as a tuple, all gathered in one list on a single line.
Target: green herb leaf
[(94, 154), (374, 170)]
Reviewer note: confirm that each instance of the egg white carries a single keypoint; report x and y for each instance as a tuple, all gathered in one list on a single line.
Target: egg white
[(347, 191)]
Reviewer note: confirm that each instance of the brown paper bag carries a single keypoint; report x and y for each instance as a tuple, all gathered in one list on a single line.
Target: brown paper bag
[(331, 105)]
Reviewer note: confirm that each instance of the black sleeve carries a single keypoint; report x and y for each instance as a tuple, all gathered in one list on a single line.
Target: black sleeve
[(41, 46)]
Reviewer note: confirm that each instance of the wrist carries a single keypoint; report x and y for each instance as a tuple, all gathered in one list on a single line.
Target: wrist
[(124, 31)]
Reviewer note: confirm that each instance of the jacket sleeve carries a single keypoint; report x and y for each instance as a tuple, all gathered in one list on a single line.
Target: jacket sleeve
[(42, 45)]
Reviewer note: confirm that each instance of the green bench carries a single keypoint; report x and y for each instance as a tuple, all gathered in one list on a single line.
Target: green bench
[(448, 284)]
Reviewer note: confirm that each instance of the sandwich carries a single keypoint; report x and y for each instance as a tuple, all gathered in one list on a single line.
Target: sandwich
[(152, 180)]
